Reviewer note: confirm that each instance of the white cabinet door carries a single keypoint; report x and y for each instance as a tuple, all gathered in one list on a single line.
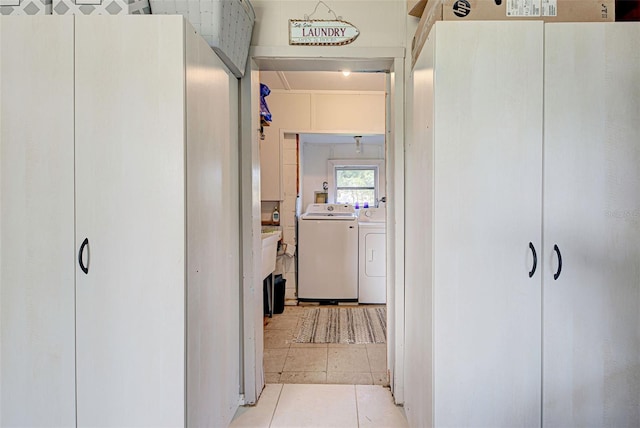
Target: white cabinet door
[(37, 354), (291, 112), (592, 213), (350, 112), (271, 167), (130, 197), (488, 191)]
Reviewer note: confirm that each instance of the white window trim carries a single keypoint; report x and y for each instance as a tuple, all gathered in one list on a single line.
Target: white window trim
[(332, 164)]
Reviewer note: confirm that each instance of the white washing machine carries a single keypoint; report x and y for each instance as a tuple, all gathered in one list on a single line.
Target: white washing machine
[(328, 253), (372, 266)]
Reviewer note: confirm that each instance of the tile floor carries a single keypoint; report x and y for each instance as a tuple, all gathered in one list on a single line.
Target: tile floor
[(310, 363), (322, 406)]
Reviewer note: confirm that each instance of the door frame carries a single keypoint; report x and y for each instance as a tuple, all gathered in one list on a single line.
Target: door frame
[(390, 60)]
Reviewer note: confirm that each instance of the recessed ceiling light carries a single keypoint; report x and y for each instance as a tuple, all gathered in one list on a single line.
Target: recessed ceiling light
[(345, 73)]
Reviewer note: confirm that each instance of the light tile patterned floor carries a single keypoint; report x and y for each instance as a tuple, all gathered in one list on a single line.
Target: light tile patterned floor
[(288, 362), (322, 406)]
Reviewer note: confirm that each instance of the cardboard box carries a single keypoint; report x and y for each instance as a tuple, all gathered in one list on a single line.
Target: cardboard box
[(416, 8), (508, 10), (546, 10), (429, 17), (25, 7), (101, 7)]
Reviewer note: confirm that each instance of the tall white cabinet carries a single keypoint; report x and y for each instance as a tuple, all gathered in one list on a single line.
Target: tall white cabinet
[(524, 139), (135, 162)]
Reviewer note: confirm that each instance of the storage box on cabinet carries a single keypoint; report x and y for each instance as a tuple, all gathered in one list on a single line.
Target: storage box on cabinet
[(25, 7), (482, 10), (101, 7)]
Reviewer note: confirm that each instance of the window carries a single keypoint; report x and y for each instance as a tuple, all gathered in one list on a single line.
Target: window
[(356, 180), (356, 185)]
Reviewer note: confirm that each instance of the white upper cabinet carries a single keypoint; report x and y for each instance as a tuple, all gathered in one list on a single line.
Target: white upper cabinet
[(290, 112), (350, 112)]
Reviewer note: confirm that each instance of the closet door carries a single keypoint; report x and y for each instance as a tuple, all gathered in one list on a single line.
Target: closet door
[(592, 214), (488, 183), (131, 208), (37, 354)]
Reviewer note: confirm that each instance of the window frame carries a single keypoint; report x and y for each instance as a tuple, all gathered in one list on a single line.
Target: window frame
[(334, 165)]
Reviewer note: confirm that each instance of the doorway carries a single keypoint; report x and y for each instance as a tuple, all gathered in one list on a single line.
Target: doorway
[(309, 342), (392, 152)]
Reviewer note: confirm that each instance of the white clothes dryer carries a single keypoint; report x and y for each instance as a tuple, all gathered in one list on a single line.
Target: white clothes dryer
[(372, 262), (328, 253)]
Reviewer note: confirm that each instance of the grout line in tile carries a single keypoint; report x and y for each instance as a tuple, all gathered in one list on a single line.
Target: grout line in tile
[(276, 406), (355, 392), (326, 366)]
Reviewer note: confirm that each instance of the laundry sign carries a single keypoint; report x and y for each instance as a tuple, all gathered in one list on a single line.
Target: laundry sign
[(321, 32)]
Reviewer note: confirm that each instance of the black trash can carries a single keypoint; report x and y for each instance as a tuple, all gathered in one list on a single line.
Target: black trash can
[(279, 287), (278, 294)]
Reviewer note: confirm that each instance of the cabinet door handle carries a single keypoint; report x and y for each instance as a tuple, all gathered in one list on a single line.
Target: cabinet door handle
[(557, 250), (85, 243), (535, 259)]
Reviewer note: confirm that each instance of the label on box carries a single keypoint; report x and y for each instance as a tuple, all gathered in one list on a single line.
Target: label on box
[(532, 8), (549, 7), (523, 7)]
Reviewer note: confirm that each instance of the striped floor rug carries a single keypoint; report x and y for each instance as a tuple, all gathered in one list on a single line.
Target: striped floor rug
[(343, 325)]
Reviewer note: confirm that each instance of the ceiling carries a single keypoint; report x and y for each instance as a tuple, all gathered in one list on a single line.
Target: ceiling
[(323, 81)]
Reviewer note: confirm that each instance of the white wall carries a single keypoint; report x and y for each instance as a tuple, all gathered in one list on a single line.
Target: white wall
[(381, 22), (315, 169)]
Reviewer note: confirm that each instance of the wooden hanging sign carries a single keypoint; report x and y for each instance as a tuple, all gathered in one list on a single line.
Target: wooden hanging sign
[(318, 32)]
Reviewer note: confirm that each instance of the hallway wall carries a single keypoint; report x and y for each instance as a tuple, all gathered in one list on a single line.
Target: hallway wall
[(382, 23)]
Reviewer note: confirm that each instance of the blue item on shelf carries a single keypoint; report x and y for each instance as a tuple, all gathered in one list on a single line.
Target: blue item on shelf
[(265, 114)]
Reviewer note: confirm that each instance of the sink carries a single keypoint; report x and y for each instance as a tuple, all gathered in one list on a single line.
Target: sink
[(269, 251)]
